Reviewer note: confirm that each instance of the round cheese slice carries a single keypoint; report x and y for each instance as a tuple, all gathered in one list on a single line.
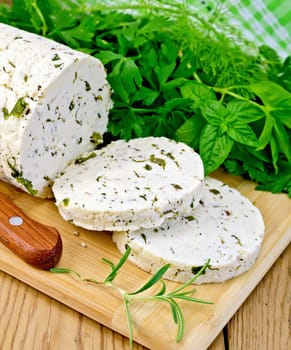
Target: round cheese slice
[(226, 228), (54, 105), (128, 185)]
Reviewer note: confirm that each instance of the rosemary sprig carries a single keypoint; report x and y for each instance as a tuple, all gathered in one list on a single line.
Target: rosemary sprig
[(183, 292)]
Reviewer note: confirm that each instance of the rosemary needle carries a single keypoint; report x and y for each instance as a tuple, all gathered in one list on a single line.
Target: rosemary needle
[(183, 292)]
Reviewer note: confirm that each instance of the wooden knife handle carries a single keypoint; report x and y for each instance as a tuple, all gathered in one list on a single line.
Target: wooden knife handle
[(37, 244)]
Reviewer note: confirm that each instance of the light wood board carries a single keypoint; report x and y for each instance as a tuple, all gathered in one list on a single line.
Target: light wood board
[(153, 325)]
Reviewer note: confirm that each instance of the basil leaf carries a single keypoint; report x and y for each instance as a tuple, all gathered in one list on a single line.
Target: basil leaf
[(214, 147), (266, 134), (245, 111), (242, 133), (214, 112), (275, 153), (269, 92), (190, 131), (283, 139), (282, 110)]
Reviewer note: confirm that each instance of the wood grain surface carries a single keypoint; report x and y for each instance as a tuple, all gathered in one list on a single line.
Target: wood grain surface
[(263, 322), (153, 325), (30, 320)]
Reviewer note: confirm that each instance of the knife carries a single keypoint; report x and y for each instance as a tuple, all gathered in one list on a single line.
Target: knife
[(37, 244)]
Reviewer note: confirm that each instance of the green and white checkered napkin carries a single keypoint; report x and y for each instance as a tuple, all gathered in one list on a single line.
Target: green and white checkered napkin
[(264, 22)]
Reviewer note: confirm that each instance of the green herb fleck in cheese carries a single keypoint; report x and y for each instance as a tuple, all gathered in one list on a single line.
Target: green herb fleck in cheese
[(66, 201), (84, 159), (18, 175), (18, 109), (158, 161)]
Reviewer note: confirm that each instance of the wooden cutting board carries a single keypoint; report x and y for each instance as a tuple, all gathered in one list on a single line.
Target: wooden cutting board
[(153, 325)]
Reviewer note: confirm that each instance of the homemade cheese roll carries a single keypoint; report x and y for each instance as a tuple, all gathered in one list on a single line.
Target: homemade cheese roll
[(54, 105)]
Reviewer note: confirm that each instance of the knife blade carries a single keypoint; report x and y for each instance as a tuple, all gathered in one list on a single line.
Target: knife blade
[(37, 244)]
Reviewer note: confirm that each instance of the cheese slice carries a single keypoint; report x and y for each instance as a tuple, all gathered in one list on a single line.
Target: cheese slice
[(226, 228), (128, 185), (54, 102)]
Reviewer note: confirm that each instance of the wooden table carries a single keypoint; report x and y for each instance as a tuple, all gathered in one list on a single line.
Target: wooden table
[(29, 320)]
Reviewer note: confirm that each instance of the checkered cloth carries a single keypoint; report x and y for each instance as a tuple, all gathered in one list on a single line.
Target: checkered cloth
[(263, 21)]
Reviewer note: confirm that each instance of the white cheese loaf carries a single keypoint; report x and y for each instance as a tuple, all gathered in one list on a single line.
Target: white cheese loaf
[(128, 185), (226, 228), (54, 105)]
